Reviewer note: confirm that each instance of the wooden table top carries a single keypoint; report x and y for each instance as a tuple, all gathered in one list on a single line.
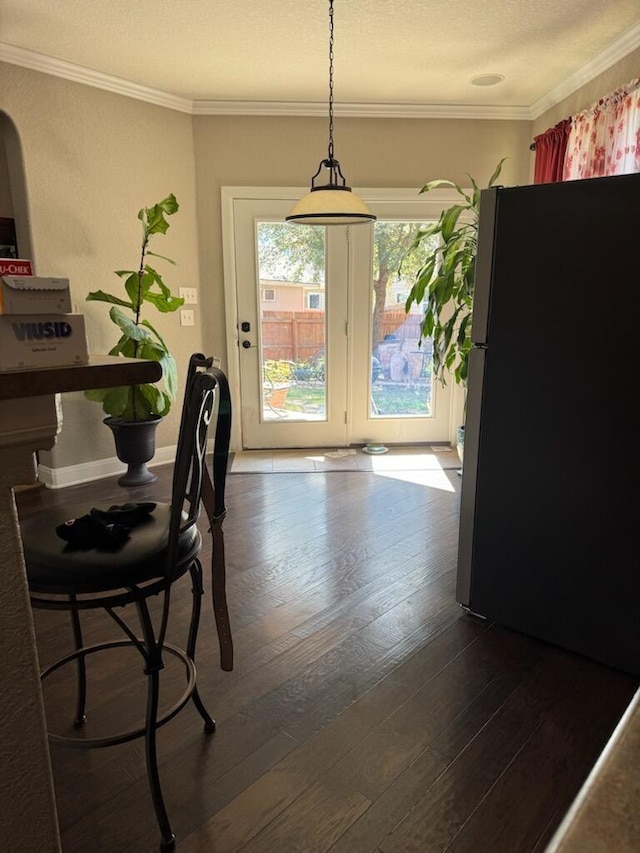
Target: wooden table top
[(102, 371)]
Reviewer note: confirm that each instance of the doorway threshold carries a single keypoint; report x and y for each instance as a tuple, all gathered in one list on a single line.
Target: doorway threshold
[(421, 458)]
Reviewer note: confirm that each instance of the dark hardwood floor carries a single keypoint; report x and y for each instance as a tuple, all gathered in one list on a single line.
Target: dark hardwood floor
[(366, 712)]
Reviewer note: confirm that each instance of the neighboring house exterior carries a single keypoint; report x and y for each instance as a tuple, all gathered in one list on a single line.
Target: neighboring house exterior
[(291, 296), (277, 295)]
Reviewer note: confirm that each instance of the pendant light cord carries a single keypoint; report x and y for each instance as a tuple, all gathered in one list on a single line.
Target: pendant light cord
[(331, 81)]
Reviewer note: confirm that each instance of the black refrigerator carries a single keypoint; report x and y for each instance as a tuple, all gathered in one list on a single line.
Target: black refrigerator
[(549, 536)]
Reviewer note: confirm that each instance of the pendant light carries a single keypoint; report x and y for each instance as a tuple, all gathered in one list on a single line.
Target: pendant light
[(333, 203)]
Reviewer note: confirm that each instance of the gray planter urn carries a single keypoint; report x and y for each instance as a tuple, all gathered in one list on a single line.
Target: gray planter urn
[(135, 446)]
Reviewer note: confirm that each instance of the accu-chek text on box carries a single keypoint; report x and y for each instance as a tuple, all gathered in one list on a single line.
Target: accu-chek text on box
[(15, 266), (30, 294), (42, 340)]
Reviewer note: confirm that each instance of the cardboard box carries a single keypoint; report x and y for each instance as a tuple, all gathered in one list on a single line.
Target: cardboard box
[(31, 294), (42, 340)]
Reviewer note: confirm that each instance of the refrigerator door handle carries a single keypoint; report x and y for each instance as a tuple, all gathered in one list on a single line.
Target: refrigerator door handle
[(466, 533)]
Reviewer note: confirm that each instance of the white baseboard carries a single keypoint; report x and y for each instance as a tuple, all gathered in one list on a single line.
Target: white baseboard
[(74, 475)]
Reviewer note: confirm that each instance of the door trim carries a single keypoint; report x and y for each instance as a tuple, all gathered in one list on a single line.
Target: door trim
[(433, 204)]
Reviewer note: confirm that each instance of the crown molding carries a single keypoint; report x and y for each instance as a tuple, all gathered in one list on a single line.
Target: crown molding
[(628, 42), (79, 74), (107, 82), (347, 110)]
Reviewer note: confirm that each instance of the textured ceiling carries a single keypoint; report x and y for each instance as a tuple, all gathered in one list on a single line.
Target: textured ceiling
[(386, 51)]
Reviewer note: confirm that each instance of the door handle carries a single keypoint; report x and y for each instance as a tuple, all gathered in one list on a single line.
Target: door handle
[(246, 344)]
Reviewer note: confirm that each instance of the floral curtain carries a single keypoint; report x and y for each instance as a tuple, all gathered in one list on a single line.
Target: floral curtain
[(550, 148), (605, 139)]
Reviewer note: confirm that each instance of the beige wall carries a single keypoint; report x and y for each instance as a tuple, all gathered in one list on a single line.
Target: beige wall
[(92, 160), (619, 74)]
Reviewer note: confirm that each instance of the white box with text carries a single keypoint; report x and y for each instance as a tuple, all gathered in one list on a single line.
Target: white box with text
[(43, 340)]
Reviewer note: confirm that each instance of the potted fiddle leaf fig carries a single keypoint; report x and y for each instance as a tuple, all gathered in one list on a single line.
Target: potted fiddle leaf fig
[(444, 284), (134, 411)]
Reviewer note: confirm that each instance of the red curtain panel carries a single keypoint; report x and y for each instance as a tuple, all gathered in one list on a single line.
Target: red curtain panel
[(551, 147)]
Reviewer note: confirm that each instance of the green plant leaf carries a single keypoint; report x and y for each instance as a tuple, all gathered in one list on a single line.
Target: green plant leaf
[(114, 400), (133, 286), (154, 217), (101, 296), (152, 396), (449, 221), (165, 304), (496, 174), (135, 408), (157, 401), (169, 205), (151, 351), (129, 328), (170, 375), (164, 257), (157, 279), (474, 185), (125, 347), (431, 185), (157, 334), (97, 395)]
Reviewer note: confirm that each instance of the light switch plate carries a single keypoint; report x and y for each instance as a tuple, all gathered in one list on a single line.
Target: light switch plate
[(187, 317), (189, 294)]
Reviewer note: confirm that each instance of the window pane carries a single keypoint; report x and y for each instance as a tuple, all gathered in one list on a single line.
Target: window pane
[(291, 269), (401, 368)]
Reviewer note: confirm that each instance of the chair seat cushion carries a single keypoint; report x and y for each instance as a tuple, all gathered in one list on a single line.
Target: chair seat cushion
[(53, 566)]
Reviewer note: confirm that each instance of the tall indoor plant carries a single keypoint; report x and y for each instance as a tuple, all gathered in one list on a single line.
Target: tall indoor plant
[(134, 411), (444, 284)]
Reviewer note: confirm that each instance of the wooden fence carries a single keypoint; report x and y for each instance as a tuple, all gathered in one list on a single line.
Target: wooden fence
[(292, 335), (299, 335)]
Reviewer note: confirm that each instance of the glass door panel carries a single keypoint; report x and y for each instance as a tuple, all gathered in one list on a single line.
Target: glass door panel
[(291, 276), (401, 365), (394, 397)]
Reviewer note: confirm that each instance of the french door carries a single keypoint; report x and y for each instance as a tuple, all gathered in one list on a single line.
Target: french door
[(320, 347), (293, 382)]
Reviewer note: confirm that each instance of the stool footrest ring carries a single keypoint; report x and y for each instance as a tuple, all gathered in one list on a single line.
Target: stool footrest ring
[(132, 734)]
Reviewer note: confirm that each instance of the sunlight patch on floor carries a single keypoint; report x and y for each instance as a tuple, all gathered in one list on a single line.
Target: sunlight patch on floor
[(432, 479)]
